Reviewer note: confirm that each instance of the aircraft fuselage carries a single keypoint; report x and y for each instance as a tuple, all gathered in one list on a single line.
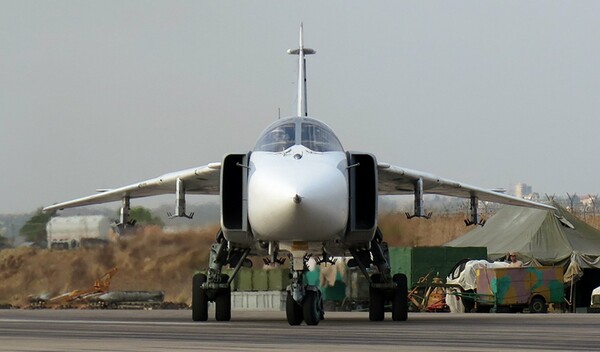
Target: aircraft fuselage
[(298, 194), (298, 183)]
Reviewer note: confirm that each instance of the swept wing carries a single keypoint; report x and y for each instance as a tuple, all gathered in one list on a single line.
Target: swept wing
[(399, 180), (199, 180)]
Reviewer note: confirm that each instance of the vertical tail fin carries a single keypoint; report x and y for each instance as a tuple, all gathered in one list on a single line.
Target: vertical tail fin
[(301, 52)]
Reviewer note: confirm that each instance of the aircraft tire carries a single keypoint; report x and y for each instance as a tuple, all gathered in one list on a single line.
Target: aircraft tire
[(310, 308), (199, 299), (223, 302), (376, 300), (400, 298), (293, 311)]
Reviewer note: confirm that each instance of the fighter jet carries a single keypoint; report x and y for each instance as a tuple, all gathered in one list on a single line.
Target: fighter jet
[(298, 193)]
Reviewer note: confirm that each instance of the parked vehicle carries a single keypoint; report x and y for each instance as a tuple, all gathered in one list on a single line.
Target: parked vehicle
[(595, 301), (77, 231), (516, 289)]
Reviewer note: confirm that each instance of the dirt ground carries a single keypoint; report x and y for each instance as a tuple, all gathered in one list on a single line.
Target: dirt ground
[(152, 260)]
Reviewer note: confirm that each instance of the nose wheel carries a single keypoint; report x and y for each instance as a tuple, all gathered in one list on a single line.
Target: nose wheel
[(309, 310), (303, 302), (312, 307), (293, 310)]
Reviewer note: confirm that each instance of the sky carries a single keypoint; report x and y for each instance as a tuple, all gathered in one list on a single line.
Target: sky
[(101, 94)]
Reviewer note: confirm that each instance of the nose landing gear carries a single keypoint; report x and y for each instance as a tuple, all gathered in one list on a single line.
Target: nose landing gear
[(303, 302)]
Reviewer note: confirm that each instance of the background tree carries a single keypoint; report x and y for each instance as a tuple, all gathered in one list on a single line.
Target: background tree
[(144, 217), (3, 240), (34, 229)]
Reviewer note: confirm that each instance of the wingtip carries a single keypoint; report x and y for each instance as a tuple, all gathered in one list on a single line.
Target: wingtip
[(50, 209)]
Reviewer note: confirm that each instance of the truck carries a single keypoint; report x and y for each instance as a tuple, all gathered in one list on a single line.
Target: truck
[(77, 231), (514, 289)]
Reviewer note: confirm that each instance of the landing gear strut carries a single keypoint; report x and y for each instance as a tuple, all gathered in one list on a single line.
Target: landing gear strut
[(303, 302), (383, 287), (216, 287)]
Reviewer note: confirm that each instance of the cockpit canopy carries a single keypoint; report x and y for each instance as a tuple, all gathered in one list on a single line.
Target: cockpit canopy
[(305, 131)]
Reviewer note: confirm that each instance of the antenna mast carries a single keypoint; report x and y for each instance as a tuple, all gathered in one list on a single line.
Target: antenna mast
[(301, 52)]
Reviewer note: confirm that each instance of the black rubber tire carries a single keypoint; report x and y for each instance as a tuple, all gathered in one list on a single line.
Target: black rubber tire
[(468, 303), (400, 298), (293, 311), (223, 302), (199, 299), (538, 305), (310, 308), (376, 300), (487, 309)]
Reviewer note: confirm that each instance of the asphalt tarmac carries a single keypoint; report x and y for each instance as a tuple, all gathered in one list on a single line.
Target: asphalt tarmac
[(173, 330)]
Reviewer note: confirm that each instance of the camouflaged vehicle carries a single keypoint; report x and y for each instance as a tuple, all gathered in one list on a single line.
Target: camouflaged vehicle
[(516, 289)]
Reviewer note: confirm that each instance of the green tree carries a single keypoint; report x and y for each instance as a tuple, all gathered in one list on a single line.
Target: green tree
[(3, 240), (34, 229), (143, 217)]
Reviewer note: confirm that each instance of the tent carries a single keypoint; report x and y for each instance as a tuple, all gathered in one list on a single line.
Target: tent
[(541, 237)]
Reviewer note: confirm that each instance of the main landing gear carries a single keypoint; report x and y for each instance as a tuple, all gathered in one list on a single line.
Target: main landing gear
[(303, 302), (216, 287), (383, 287)]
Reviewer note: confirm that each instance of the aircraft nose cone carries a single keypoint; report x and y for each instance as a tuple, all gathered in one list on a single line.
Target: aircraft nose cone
[(304, 203)]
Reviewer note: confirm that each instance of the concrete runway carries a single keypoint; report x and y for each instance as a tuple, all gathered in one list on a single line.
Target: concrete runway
[(171, 330)]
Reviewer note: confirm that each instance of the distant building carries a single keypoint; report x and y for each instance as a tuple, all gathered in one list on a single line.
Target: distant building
[(523, 190), (77, 231)]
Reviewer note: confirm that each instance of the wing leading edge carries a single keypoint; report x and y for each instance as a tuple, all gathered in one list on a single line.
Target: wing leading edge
[(394, 180), (200, 180)]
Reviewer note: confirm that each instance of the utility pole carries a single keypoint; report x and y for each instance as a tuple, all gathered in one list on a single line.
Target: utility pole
[(593, 199), (572, 200)]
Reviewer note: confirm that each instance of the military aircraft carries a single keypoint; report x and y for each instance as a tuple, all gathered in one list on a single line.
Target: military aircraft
[(298, 192)]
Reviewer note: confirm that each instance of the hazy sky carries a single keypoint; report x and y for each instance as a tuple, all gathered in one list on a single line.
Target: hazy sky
[(100, 94)]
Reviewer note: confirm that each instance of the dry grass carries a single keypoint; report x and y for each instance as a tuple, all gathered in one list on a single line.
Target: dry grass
[(399, 231), (146, 261), (402, 232), (593, 220), (156, 261)]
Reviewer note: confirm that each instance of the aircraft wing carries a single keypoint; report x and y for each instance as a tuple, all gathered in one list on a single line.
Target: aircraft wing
[(200, 180), (398, 180)]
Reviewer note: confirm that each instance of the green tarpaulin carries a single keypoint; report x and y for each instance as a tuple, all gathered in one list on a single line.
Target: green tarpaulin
[(539, 237)]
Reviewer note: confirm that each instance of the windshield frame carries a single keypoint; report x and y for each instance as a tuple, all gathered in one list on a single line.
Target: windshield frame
[(308, 132)]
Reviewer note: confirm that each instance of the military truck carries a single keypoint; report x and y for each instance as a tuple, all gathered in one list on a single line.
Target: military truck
[(517, 289)]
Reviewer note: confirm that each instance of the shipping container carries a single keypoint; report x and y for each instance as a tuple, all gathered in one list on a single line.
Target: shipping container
[(417, 262)]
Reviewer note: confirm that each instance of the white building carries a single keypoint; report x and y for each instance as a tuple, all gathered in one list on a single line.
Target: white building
[(76, 231), (523, 190)]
